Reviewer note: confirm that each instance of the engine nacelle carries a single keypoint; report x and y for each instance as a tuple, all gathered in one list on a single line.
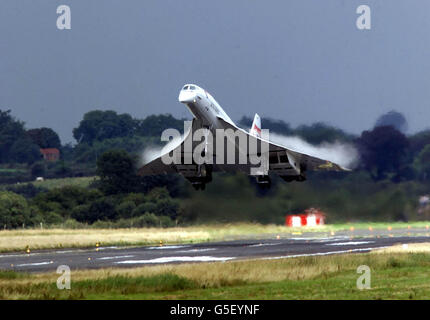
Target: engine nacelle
[(202, 176)]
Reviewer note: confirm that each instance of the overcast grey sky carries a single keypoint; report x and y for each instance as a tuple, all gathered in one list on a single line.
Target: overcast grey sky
[(301, 61)]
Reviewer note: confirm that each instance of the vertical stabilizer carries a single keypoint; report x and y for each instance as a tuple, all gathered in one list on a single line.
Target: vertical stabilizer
[(256, 126)]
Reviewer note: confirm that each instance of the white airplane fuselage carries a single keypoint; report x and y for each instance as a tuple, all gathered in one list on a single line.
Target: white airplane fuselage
[(203, 107)]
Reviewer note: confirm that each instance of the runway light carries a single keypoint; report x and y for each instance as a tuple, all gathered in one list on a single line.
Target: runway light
[(11, 265), (27, 249), (161, 243), (278, 237), (370, 228), (332, 233), (389, 228), (97, 244), (427, 227), (89, 259), (409, 227), (352, 228)]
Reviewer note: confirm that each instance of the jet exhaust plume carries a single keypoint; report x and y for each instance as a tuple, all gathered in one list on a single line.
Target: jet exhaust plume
[(344, 154), (153, 152)]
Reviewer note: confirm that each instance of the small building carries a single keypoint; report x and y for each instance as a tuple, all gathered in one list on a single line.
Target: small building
[(50, 154)]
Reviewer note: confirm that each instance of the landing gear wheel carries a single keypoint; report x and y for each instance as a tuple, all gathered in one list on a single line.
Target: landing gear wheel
[(199, 186), (196, 186)]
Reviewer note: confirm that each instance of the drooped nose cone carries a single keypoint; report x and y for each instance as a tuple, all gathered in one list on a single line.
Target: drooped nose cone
[(186, 96)]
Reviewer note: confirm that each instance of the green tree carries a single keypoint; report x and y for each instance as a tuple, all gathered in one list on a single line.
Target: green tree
[(100, 125), (64, 200), (125, 209), (98, 210), (24, 150), (422, 163), (418, 141), (38, 169), (14, 210), (382, 150), (154, 125), (394, 119), (45, 138), (319, 132), (117, 172), (12, 135)]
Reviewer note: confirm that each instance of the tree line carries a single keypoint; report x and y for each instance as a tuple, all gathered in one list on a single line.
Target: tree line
[(392, 172), (385, 151)]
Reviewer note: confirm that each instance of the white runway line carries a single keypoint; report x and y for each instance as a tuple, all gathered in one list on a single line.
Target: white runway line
[(166, 247), (318, 239), (265, 244), (177, 259), (115, 257), (33, 264), (14, 255), (351, 243), (104, 248), (197, 250), (324, 253)]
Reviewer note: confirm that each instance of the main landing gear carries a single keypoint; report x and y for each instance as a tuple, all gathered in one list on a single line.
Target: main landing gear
[(204, 176)]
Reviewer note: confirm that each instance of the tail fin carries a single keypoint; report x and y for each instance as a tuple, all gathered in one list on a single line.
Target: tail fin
[(256, 126)]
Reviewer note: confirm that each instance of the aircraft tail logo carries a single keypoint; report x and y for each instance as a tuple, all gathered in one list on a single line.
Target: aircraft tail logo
[(256, 126)]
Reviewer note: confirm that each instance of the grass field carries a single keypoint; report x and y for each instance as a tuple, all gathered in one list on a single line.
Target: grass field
[(5, 170), (18, 240), (54, 183), (59, 183), (397, 273)]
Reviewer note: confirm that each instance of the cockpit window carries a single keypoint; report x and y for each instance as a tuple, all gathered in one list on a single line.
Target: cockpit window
[(185, 88), (192, 88)]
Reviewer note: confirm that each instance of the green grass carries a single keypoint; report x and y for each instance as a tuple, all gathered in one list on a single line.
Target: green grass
[(58, 183), (4, 170), (394, 276), (9, 274)]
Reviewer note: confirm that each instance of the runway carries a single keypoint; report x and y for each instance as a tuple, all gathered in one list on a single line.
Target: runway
[(269, 248)]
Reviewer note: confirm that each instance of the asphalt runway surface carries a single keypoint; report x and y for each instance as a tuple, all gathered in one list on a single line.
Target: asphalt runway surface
[(272, 247)]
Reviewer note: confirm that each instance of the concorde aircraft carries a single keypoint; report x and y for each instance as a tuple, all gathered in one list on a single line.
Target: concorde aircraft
[(199, 154)]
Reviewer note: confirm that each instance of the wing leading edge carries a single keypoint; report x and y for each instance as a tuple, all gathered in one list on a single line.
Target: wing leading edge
[(282, 157)]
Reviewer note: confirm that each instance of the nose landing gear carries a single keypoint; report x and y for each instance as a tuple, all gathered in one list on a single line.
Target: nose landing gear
[(204, 175), (264, 182)]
